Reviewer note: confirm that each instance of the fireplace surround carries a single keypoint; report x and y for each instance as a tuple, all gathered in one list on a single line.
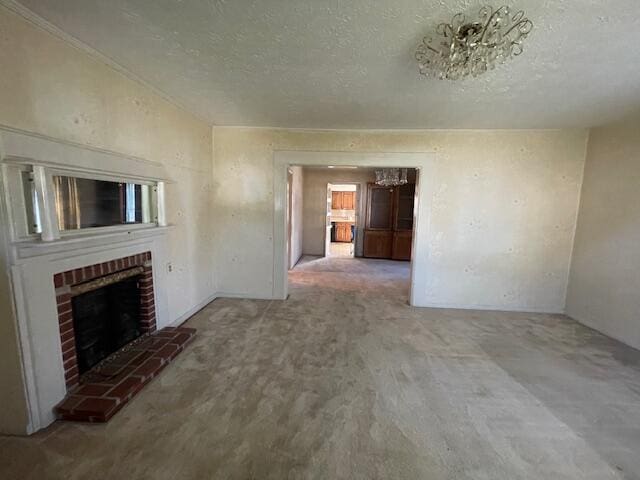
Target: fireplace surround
[(41, 264), (81, 349)]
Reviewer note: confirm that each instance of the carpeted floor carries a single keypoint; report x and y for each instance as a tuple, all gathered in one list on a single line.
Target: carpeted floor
[(345, 381)]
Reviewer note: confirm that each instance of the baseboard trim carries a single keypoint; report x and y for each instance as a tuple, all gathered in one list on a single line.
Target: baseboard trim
[(493, 308), (594, 325), (246, 296), (192, 311)]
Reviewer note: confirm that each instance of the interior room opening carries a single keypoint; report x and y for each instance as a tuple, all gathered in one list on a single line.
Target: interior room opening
[(353, 223), (342, 217)]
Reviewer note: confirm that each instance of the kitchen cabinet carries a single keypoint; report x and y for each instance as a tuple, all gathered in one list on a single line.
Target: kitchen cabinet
[(343, 232), (343, 200), (348, 200)]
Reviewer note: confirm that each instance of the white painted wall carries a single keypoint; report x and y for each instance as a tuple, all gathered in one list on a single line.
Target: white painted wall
[(604, 286), (51, 88), (315, 204), (297, 191), (501, 216)]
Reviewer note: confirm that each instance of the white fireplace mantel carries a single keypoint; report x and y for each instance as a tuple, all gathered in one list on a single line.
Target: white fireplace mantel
[(33, 262)]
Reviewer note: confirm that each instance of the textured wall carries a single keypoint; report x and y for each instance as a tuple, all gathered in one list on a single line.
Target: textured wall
[(315, 204), (51, 88), (604, 286), (502, 218), (297, 213)]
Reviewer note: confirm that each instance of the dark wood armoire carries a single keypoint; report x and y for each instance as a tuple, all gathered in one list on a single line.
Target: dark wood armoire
[(389, 221)]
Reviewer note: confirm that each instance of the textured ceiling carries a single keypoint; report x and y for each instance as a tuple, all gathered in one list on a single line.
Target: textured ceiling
[(349, 63)]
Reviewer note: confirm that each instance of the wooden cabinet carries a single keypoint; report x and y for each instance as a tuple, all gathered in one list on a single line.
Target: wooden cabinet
[(343, 200), (378, 243), (336, 200), (348, 200), (389, 222), (403, 207), (379, 208), (343, 232), (401, 247)]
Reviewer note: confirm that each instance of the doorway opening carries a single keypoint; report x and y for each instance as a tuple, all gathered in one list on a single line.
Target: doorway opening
[(342, 220), (344, 230), (417, 278)]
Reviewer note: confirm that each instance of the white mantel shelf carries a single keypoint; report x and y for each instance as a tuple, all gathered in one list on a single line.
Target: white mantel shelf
[(26, 250)]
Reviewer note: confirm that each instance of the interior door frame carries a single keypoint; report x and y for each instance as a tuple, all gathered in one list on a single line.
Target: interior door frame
[(357, 221), (289, 216), (423, 162)]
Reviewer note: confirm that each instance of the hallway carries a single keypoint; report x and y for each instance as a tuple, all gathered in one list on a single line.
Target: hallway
[(346, 381)]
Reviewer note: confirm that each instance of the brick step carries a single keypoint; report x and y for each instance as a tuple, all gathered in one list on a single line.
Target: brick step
[(107, 388)]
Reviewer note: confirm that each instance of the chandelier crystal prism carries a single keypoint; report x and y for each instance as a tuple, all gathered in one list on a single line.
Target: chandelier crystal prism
[(470, 48), (391, 177)]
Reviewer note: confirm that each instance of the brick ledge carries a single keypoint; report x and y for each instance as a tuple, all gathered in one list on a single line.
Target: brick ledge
[(113, 386)]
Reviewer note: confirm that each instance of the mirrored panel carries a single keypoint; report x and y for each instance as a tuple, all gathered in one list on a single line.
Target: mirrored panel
[(87, 203)]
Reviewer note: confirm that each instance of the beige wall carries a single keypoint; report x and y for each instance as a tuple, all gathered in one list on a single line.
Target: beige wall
[(502, 216), (51, 88), (315, 204), (297, 213), (604, 286)]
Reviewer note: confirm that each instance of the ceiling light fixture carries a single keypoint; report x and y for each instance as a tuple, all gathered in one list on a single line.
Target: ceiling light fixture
[(391, 177), (463, 48)]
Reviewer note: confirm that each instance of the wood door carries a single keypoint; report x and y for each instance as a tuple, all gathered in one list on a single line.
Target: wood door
[(401, 249), (378, 234), (403, 208), (336, 200), (379, 208), (378, 243)]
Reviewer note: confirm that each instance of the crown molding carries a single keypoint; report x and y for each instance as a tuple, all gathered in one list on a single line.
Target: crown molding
[(40, 22)]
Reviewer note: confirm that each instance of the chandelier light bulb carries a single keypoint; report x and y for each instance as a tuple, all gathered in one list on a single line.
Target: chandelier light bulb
[(391, 177), (460, 48)]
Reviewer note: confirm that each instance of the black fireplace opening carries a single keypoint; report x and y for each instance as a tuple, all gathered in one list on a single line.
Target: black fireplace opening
[(105, 320)]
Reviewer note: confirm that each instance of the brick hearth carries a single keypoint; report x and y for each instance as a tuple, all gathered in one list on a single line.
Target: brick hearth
[(122, 375)]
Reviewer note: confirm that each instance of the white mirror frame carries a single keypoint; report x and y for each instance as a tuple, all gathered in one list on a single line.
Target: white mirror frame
[(43, 183)]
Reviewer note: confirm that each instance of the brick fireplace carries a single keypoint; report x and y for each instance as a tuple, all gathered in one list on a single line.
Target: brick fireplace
[(70, 283), (105, 300)]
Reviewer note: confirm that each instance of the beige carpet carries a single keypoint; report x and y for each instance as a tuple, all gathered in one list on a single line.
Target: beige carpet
[(346, 381)]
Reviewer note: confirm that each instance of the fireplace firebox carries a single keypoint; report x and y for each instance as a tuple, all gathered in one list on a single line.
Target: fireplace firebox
[(102, 308), (104, 320)]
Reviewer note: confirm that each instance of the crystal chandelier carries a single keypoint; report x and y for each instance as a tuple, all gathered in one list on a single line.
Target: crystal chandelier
[(391, 177), (462, 48)]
